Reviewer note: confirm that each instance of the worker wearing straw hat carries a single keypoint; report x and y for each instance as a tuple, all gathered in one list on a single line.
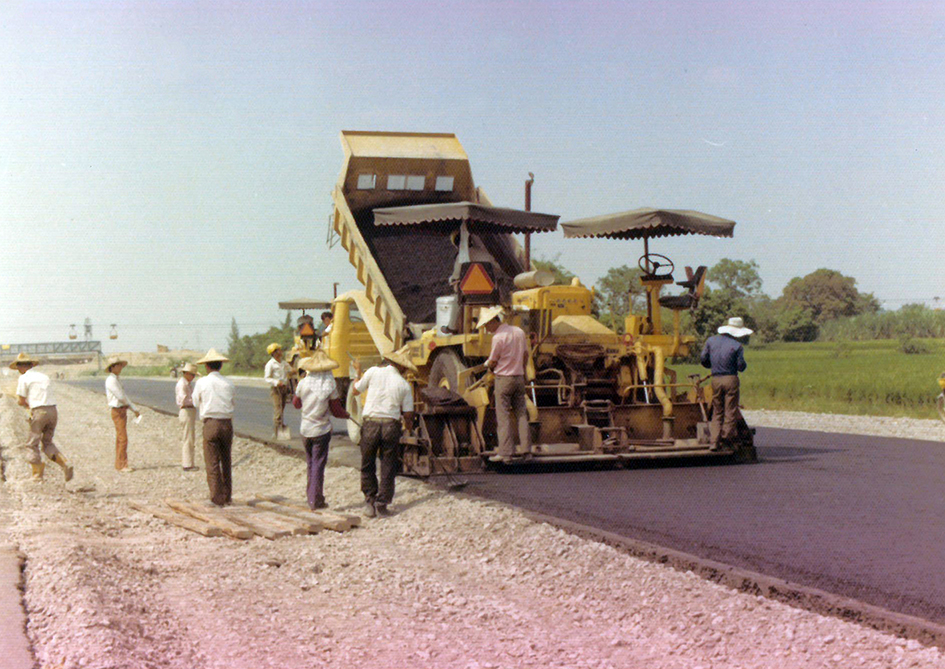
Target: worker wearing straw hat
[(507, 361), (389, 398), (725, 356), (213, 397), (318, 400), (119, 403), (187, 414), (32, 392), (277, 376)]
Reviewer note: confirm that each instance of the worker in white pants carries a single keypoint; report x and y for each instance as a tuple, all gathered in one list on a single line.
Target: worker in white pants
[(187, 414)]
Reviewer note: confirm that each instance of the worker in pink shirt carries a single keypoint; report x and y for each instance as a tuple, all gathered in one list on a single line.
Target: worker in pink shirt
[(507, 362)]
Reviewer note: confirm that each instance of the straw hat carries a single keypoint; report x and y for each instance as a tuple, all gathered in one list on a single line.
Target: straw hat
[(735, 327), (23, 359), (488, 314), (318, 362), (401, 358), (114, 360), (213, 356), (273, 347), (189, 368)]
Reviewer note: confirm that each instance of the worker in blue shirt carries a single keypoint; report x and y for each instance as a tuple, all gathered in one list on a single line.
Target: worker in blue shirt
[(725, 356)]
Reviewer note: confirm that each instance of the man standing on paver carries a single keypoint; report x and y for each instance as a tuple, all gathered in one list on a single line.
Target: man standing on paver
[(507, 361), (187, 414), (389, 398), (277, 376), (32, 392), (213, 397), (725, 356), (119, 403)]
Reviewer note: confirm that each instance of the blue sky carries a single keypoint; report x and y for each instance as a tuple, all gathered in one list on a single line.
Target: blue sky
[(167, 166)]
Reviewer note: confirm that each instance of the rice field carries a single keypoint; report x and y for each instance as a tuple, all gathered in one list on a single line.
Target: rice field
[(861, 377)]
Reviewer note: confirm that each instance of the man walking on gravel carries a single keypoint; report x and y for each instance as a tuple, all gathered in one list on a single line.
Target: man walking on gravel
[(725, 356), (316, 394), (277, 376), (507, 362), (389, 398), (187, 414), (32, 392), (119, 403), (213, 397)]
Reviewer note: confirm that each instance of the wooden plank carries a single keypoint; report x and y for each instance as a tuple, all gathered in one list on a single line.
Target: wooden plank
[(174, 518), (257, 525), (300, 516), (339, 521), (211, 515)]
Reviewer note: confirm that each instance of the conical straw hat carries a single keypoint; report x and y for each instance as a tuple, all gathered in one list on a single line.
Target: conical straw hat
[(114, 360), (23, 359), (401, 358), (318, 362), (213, 356)]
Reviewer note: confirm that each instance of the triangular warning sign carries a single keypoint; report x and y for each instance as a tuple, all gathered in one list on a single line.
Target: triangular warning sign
[(476, 281)]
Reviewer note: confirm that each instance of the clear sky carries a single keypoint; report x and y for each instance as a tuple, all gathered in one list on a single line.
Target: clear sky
[(167, 166)]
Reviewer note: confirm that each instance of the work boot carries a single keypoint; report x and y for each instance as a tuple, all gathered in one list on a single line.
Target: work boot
[(382, 510), (38, 468), (67, 469), (320, 503), (369, 511)]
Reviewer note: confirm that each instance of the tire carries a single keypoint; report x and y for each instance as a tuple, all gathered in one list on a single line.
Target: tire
[(353, 407), (445, 370)]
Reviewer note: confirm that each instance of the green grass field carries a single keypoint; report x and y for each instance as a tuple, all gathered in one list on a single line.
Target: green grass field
[(863, 378)]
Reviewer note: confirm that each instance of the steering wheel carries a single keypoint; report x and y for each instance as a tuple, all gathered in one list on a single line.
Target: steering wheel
[(647, 261)]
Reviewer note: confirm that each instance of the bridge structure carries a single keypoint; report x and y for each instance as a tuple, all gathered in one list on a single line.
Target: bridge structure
[(54, 351)]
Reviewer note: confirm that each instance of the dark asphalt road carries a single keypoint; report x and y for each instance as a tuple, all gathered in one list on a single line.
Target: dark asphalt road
[(862, 517)]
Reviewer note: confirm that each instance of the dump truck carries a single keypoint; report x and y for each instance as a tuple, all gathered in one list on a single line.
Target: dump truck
[(431, 251)]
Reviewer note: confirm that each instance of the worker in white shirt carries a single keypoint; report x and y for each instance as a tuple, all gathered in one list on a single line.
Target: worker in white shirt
[(119, 403), (187, 414), (32, 392), (389, 398), (277, 376), (318, 398), (213, 397)]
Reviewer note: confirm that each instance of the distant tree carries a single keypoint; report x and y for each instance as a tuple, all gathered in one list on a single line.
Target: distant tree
[(738, 278), (287, 324), (616, 292), (826, 294), (796, 323), (562, 275), (233, 341)]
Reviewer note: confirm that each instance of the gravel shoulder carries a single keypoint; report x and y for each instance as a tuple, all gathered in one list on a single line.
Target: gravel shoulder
[(447, 581)]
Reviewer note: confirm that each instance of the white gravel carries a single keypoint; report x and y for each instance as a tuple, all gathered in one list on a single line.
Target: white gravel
[(881, 426), (446, 582)]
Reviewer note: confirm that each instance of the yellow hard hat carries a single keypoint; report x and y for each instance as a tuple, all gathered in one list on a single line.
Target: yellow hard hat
[(273, 347)]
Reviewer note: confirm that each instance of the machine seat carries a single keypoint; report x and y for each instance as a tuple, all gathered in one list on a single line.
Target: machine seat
[(684, 301)]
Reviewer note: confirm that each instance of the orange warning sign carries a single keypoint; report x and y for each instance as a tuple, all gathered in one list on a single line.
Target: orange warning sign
[(306, 330), (476, 281)]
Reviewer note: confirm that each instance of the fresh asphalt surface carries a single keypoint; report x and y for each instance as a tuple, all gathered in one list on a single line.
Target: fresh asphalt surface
[(862, 517)]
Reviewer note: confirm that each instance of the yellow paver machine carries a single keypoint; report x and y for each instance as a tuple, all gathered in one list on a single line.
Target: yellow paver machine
[(431, 250)]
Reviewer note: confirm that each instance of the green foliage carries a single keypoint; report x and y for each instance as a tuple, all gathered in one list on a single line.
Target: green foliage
[(858, 377), (248, 353), (911, 346), (562, 275), (613, 295), (912, 320), (826, 294), (796, 323), (736, 278)]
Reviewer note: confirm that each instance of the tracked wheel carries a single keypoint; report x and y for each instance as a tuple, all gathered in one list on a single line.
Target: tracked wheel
[(445, 371)]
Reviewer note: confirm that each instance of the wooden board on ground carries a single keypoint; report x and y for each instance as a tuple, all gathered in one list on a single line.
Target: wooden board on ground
[(288, 523), (211, 515), (187, 522), (259, 526), (302, 516), (339, 519)]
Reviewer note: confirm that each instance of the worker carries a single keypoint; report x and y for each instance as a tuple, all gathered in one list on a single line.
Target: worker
[(725, 356), (318, 397), (33, 393), (187, 414), (119, 403), (507, 360), (389, 399), (326, 319), (277, 376), (213, 397)]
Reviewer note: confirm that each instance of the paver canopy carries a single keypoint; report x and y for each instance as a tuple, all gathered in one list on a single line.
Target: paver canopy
[(485, 218), (647, 222)]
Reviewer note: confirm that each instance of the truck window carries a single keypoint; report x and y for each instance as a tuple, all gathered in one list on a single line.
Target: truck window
[(444, 184), (415, 182), (366, 181), (396, 182)]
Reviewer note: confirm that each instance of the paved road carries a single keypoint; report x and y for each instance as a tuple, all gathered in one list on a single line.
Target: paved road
[(862, 517)]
